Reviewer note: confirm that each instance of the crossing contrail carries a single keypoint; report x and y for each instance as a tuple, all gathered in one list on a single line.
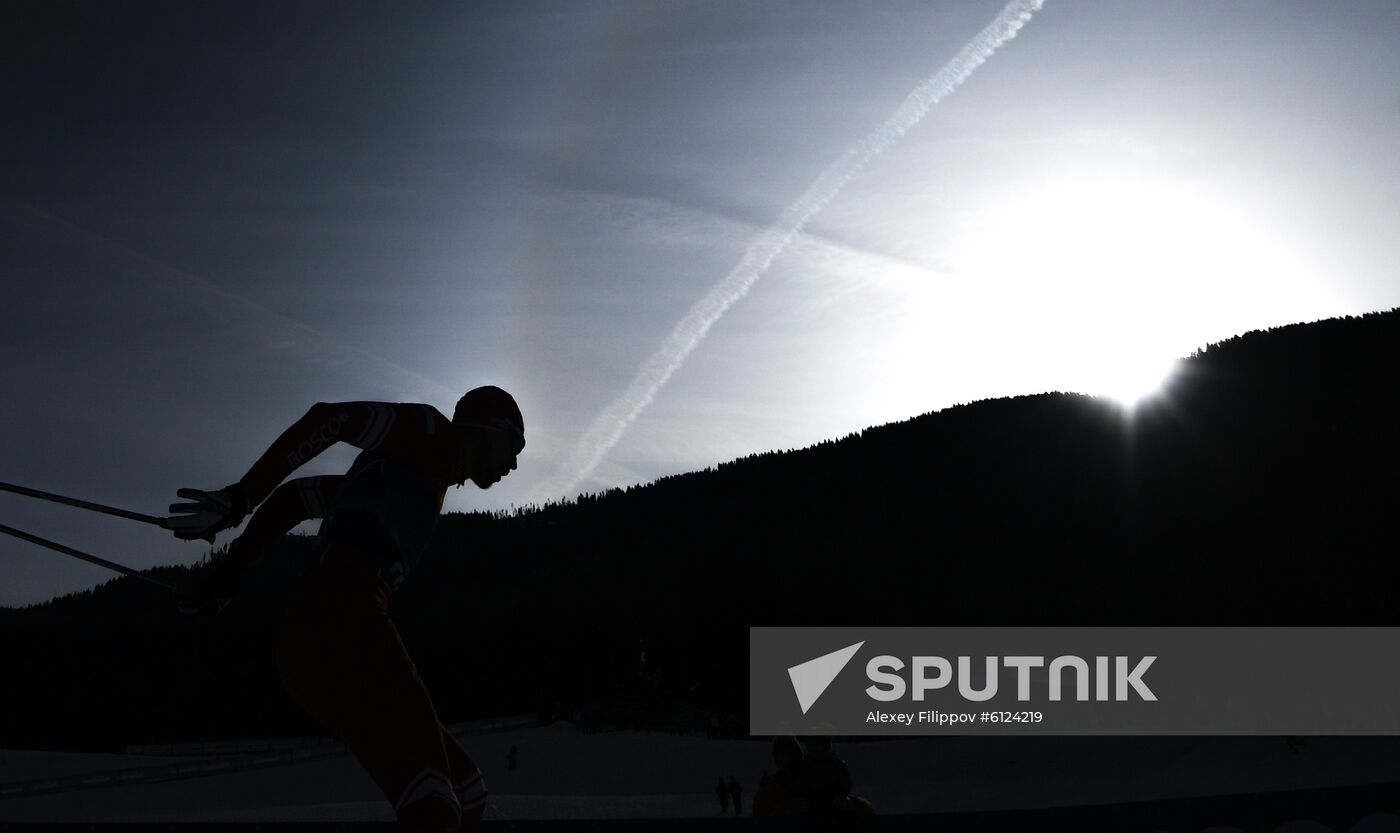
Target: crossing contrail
[(608, 427)]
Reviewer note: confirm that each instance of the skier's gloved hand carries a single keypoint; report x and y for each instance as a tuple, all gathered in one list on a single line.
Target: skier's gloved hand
[(209, 514)]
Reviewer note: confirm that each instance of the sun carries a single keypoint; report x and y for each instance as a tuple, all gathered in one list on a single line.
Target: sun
[(1105, 281)]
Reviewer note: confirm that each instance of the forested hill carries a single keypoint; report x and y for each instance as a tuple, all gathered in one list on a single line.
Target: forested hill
[(1259, 489)]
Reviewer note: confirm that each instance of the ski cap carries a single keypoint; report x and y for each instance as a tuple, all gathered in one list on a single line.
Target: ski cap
[(491, 407)]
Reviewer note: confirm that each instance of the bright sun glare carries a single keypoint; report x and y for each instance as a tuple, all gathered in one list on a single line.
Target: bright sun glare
[(1108, 280)]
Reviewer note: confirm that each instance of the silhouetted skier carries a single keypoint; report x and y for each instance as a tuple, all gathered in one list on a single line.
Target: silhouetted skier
[(339, 654), (736, 794), (723, 792), (510, 759)]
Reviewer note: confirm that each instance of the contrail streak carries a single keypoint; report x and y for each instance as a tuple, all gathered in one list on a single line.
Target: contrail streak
[(608, 427)]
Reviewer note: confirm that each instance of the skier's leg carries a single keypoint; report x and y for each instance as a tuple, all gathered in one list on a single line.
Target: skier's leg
[(466, 780), (343, 661)]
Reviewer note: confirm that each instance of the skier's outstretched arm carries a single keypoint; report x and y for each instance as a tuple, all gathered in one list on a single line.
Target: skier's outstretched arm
[(362, 424)]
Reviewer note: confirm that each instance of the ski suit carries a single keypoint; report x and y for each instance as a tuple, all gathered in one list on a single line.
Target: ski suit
[(339, 654)]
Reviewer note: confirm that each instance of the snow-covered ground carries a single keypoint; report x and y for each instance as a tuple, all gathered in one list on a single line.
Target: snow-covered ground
[(566, 774)]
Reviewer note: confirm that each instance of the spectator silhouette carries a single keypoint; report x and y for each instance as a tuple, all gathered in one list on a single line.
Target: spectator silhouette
[(828, 783), (784, 794), (723, 792), (736, 794), (828, 777)]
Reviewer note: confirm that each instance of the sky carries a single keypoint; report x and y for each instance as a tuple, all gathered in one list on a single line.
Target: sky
[(213, 215)]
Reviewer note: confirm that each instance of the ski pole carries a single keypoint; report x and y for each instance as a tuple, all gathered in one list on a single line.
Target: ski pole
[(83, 504), (92, 559)]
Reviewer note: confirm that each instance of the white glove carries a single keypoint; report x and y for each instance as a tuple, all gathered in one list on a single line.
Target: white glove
[(211, 512)]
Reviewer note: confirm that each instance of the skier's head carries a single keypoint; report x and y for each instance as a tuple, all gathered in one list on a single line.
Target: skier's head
[(492, 432)]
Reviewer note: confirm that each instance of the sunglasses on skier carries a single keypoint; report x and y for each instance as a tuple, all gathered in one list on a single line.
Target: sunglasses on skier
[(506, 427)]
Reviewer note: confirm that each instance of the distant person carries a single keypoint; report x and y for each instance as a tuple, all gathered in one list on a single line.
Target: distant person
[(763, 780), (784, 794), (736, 795), (722, 791), (339, 654), (511, 758)]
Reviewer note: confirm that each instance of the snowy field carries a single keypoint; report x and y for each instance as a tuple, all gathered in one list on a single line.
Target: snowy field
[(566, 774)]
